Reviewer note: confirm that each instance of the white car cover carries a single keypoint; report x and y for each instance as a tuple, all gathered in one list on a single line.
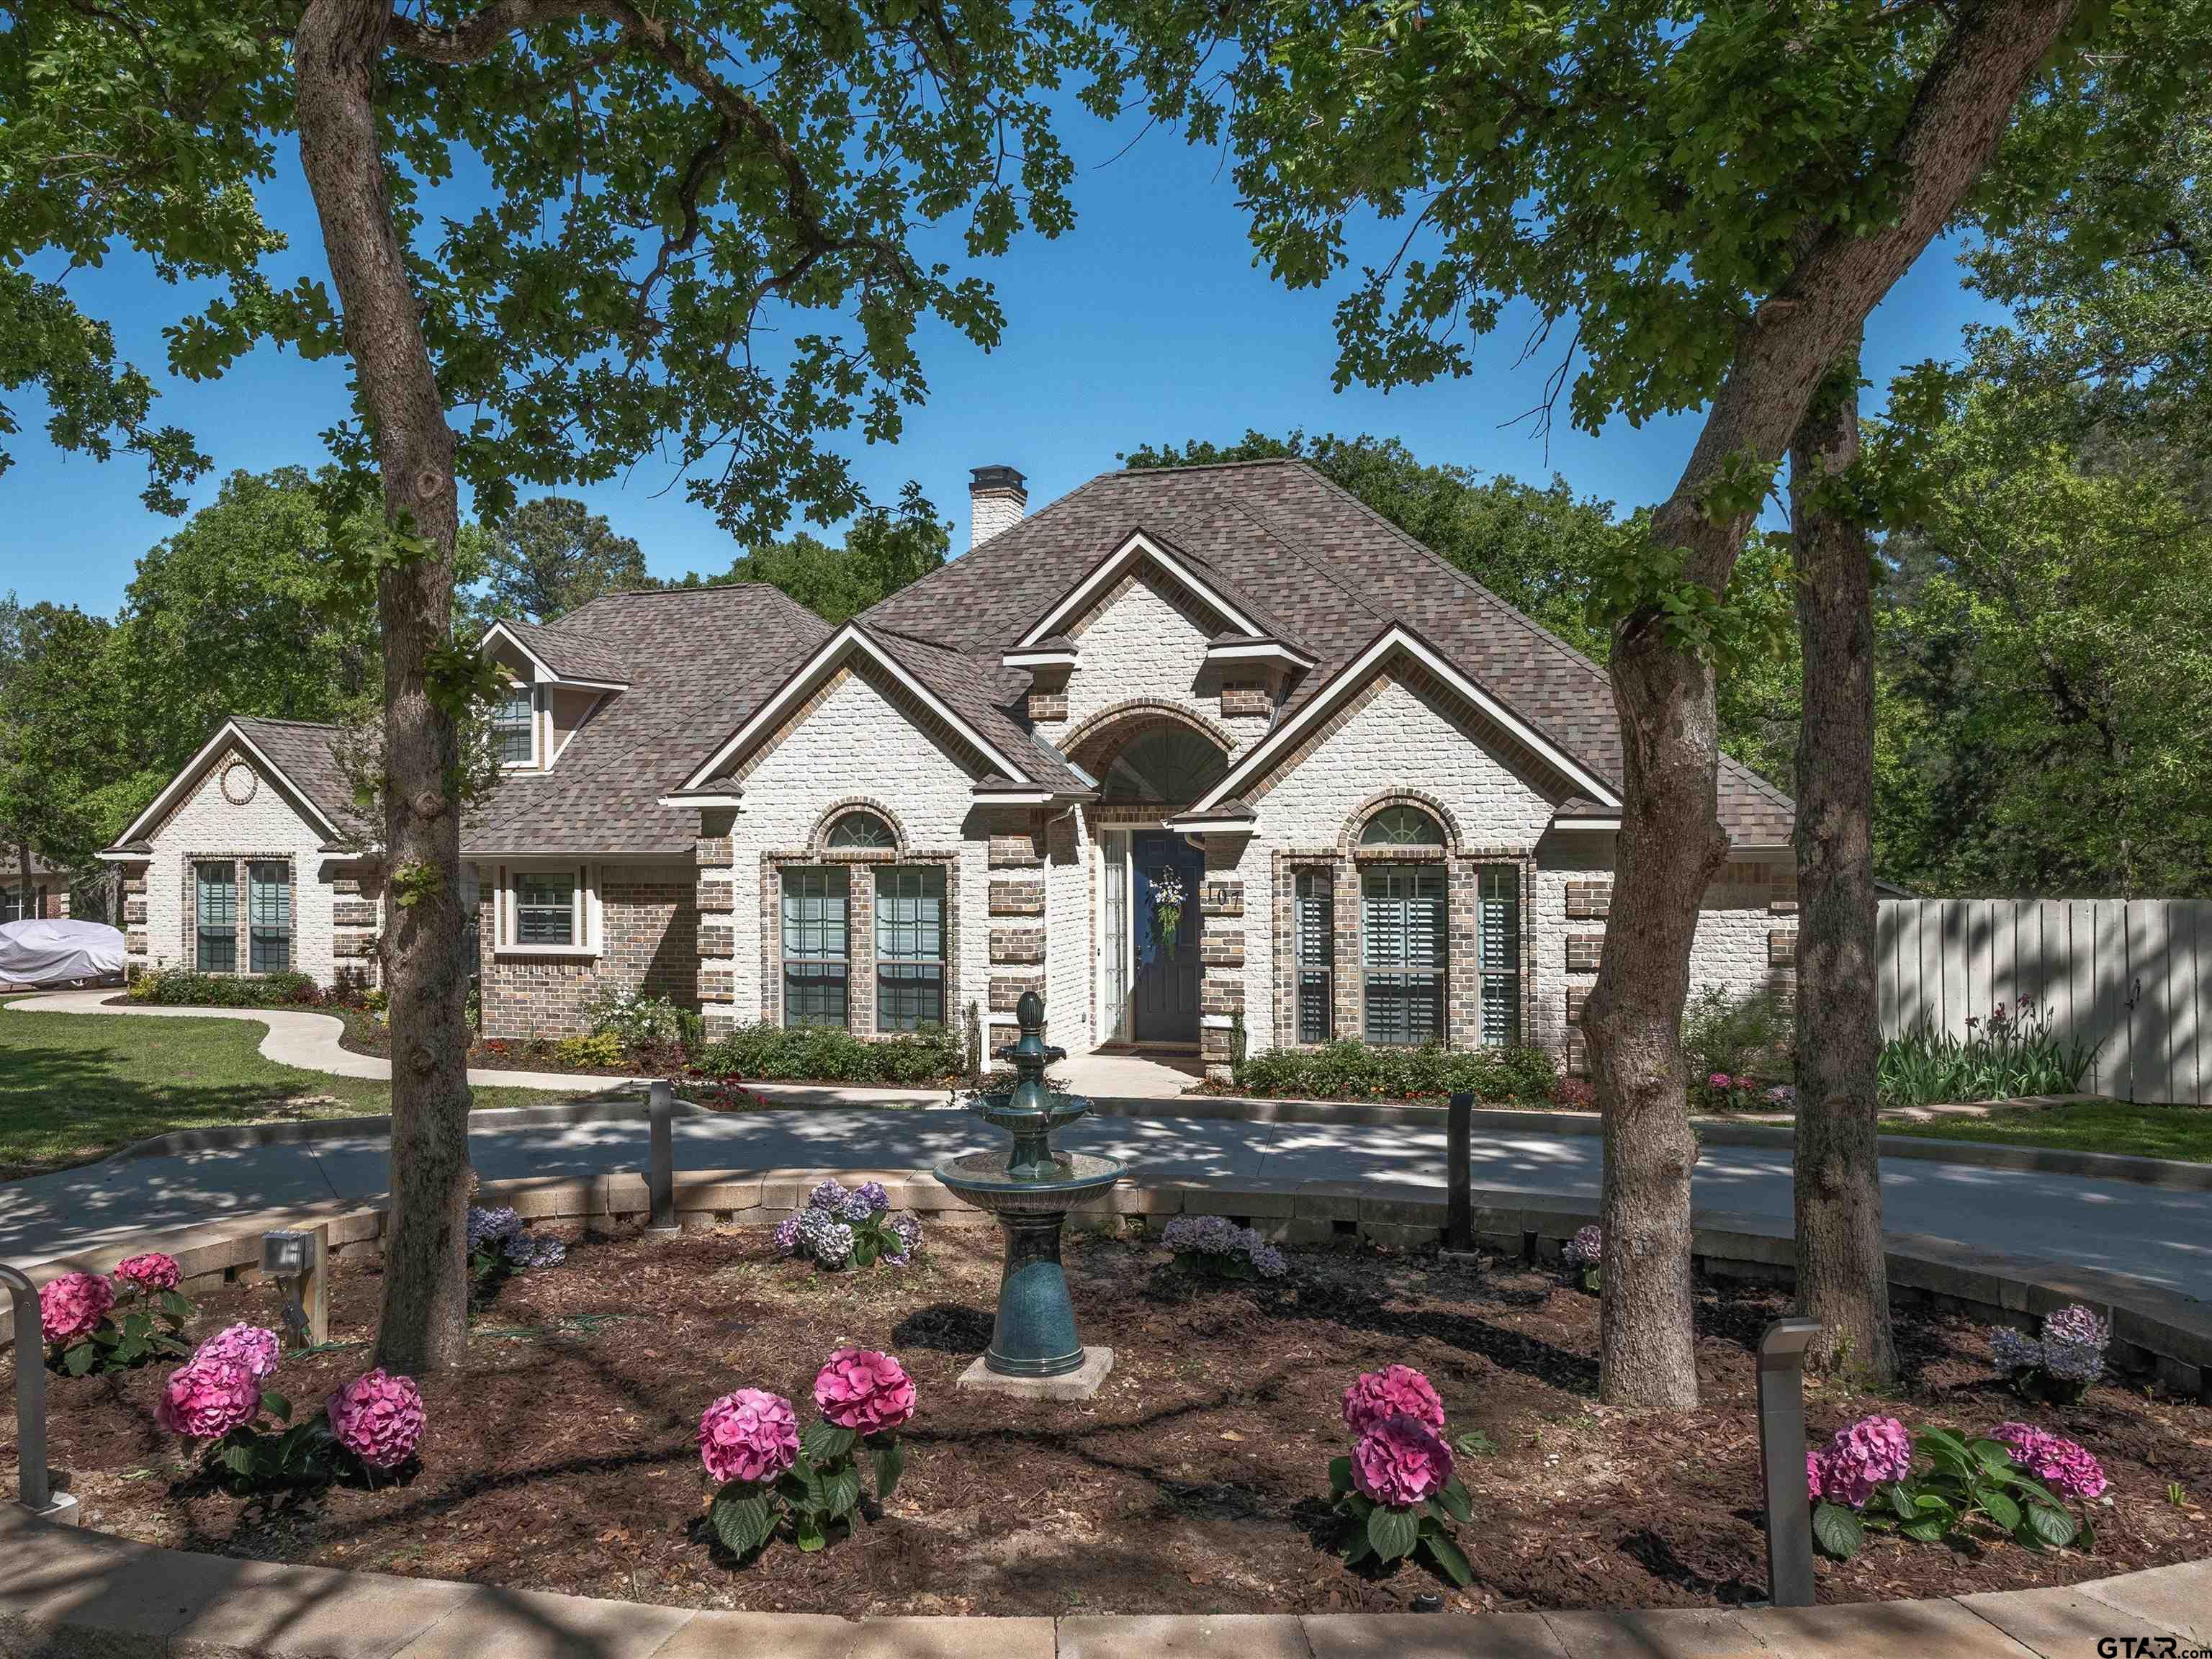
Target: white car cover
[(56, 952)]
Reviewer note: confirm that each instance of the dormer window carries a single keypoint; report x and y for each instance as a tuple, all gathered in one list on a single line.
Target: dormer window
[(514, 727)]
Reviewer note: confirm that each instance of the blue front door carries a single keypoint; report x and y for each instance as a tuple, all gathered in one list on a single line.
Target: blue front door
[(1165, 999)]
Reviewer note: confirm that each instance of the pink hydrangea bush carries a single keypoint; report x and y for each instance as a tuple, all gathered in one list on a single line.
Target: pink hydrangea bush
[(73, 1307), (1860, 1457), (76, 1317), (1396, 1491), (750, 1437), (1394, 1391), (866, 1392), (207, 1397), (1874, 1475), (151, 1272), (1400, 1462), (379, 1418), (2065, 1466), (773, 1473), (250, 1346)]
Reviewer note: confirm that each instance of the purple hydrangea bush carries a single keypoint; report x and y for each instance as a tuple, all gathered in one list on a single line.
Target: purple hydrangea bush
[(500, 1245), (114, 1323), (1582, 1254), (2059, 1365), (842, 1228), (1875, 1475), (1397, 1491), (771, 1474), (1217, 1248)]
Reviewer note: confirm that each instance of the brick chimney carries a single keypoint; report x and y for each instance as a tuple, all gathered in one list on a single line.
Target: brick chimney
[(997, 497)]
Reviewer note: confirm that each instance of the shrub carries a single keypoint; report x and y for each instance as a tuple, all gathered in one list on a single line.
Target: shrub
[(500, 1245), (1352, 1070), (649, 1029), (1582, 1254), (1215, 1246), (81, 1336), (1736, 1036), (840, 1228), (1576, 1094), (1397, 1492), (772, 1474), (370, 1425), (1871, 1477), (2060, 1365), (2018, 1051), (176, 988), (601, 1051), (831, 1054)]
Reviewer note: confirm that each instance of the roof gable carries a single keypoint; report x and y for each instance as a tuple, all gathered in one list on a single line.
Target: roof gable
[(1394, 643), (942, 687), (298, 756), (1328, 571)]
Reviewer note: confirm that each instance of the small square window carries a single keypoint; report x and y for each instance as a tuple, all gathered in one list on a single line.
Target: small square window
[(545, 907)]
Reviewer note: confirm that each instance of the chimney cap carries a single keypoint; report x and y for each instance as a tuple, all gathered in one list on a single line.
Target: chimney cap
[(996, 478)]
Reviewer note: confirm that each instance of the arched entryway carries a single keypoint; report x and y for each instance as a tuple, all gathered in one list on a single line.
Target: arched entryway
[(1150, 765)]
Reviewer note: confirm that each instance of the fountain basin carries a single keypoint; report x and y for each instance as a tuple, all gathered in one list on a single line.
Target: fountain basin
[(981, 1179)]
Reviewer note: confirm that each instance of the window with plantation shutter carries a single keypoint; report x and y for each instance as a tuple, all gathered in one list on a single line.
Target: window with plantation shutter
[(816, 948), (1314, 906), (268, 916), (215, 905), (1498, 939), (1402, 915)]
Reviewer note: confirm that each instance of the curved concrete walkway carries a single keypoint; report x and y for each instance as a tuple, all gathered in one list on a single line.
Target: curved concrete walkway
[(299, 1038)]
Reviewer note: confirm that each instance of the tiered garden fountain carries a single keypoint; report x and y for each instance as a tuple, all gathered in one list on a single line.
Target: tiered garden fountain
[(1030, 1188)]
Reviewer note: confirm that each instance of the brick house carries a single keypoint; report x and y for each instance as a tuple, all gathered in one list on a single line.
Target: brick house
[(1387, 799)]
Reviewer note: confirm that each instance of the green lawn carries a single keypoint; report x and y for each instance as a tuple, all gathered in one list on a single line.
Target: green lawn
[(2104, 1126), (75, 1086)]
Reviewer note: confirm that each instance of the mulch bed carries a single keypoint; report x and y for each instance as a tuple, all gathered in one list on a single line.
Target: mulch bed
[(561, 1457)]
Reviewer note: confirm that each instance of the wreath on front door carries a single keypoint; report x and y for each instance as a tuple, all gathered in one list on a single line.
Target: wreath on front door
[(1167, 907)]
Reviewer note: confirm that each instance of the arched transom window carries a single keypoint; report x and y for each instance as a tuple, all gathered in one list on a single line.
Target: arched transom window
[(1402, 826), (1169, 764), (861, 832)]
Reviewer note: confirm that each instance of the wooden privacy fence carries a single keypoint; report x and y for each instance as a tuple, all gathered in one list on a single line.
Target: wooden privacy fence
[(2132, 976)]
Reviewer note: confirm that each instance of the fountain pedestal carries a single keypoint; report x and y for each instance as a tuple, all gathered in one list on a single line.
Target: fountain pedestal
[(1034, 1351)]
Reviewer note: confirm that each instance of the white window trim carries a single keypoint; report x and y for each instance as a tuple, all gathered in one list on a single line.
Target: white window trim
[(591, 918), (537, 717)]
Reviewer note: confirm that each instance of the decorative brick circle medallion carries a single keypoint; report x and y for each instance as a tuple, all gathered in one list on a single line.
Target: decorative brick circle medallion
[(239, 783)]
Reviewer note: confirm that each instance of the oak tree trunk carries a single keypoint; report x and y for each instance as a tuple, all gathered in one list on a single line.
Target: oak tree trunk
[(1670, 839), (1843, 1279), (424, 1321)]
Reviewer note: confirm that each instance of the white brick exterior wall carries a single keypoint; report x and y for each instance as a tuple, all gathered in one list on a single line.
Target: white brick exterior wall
[(1069, 856), (1399, 740), (1141, 644), (208, 825), (855, 742)]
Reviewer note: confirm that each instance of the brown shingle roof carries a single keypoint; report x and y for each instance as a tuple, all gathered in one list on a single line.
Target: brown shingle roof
[(571, 647), (1328, 571), (698, 660), (303, 752)]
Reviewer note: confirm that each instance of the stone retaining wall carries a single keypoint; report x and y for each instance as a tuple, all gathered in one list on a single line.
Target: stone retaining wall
[(2156, 1332)]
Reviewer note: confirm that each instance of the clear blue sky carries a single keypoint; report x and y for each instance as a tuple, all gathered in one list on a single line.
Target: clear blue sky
[(1146, 322)]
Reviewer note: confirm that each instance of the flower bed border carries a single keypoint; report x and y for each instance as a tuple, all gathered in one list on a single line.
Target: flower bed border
[(67, 1590), (2155, 1331)]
